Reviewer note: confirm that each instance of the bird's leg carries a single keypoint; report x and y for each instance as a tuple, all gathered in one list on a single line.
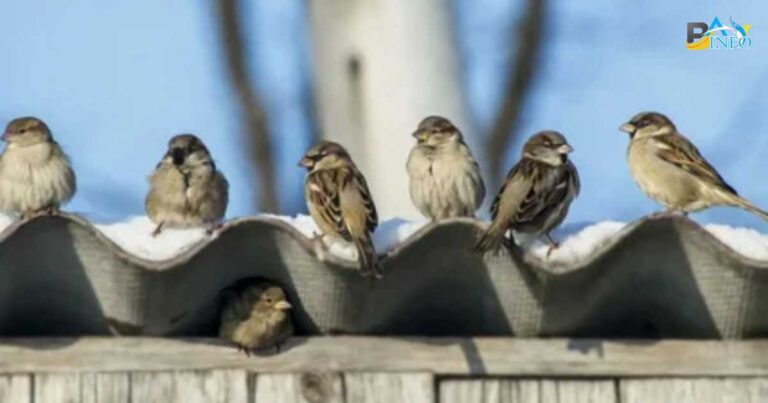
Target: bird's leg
[(213, 227), (319, 240), (552, 244), (277, 347), (51, 210), (158, 229)]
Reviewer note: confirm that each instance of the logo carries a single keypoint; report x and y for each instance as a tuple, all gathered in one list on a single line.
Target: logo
[(718, 35)]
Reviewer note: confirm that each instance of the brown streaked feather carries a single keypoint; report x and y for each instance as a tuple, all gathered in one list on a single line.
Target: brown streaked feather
[(542, 195), (679, 151), (323, 191), (372, 218)]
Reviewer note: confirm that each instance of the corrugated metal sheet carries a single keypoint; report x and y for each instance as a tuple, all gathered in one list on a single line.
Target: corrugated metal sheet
[(663, 277)]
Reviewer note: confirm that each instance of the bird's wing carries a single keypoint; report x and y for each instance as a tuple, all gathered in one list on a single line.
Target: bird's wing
[(550, 186), (324, 192), (356, 202), (680, 152), (512, 194)]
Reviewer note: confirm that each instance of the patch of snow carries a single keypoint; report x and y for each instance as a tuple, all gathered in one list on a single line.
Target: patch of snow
[(135, 236), (388, 234), (577, 246), (6, 221), (745, 241)]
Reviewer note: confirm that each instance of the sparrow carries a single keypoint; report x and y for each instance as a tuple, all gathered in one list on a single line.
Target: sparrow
[(445, 179), (36, 176), (669, 169), (536, 193), (254, 315), (339, 201), (186, 189)]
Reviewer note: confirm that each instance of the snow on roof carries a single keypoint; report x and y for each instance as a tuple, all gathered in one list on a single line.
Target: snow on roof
[(134, 236)]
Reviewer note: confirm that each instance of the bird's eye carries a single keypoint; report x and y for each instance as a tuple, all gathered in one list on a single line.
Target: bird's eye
[(645, 122), (22, 131), (269, 300), (435, 130)]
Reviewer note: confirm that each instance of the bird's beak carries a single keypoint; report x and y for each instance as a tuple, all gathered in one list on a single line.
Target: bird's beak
[(628, 128), (283, 305), (420, 135), (178, 156), (306, 162), (565, 149), (6, 136)]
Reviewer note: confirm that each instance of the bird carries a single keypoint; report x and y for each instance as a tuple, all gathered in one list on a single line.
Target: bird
[(36, 176), (669, 169), (445, 179), (339, 201), (536, 193), (254, 314), (186, 189)]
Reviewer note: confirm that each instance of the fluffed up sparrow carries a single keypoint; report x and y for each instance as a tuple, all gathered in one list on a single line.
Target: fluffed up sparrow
[(254, 315), (445, 179), (35, 174), (186, 189)]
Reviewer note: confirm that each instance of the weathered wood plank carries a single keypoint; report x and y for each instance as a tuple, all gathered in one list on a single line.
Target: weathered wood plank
[(16, 388), (224, 386), (476, 356), (527, 391), (57, 388), (701, 390), (389, 387), (299, 388), (105, 388)]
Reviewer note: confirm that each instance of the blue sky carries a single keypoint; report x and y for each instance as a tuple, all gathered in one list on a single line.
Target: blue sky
[(115, 81)]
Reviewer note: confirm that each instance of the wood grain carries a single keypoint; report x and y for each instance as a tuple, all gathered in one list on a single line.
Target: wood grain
[(702, 390), (105, 388), (16, 388), (389, 387), (223, 386), (527, 391), (57, 388), (299, 388), (449, 356)]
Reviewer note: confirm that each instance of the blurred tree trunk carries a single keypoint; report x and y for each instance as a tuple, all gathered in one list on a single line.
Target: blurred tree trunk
[(380, 67), (528, 35), (256, 128)]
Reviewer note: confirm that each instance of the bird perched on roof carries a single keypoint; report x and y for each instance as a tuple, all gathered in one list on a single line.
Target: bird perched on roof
[(339, 201), (35, 174), (254, 315), (186, 189), (536, 193), (445, 179), (669, 169)]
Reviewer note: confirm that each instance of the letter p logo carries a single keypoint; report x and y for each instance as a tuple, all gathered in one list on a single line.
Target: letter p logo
[(692, 27)]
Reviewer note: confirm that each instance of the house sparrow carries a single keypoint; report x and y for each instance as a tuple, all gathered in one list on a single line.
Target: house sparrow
[(35, 174), (536, 193), (670, 170), (186, 189), (339, 201), (254, 315), (445, 178)]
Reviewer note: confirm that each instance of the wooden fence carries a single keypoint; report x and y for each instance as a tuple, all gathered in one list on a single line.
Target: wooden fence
[(384, 370)]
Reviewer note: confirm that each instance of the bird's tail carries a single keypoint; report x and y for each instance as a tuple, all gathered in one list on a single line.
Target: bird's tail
[(746, 205), (366, 256), (490, 240)]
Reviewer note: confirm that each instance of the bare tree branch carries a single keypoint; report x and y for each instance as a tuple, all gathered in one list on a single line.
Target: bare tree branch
[(529, 38), (257, 133)]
